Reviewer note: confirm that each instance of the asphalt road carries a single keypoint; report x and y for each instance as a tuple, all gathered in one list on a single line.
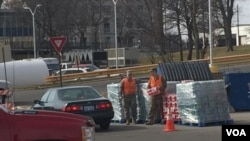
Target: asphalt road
[(155, 132)]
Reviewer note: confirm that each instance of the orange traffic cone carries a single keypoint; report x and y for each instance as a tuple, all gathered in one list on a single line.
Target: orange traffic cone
[(169, 122)]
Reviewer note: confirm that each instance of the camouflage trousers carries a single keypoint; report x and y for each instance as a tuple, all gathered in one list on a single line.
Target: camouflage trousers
[(156, 109), (130, 106)]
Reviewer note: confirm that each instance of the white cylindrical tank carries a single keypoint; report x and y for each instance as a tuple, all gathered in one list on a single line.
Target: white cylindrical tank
[(24, 73)]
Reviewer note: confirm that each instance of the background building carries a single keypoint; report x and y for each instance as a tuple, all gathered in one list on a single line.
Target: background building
[(16, 30)]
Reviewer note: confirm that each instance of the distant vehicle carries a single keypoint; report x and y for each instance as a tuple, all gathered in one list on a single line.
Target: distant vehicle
[(91, 67), (52, 64), (127, 57), (82, 100), (100, 59), (72, 70), (38, 125)]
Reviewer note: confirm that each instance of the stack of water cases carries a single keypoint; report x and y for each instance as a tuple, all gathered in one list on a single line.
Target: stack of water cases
[(114, 96), (191, 70), (170, 101), (142, 102), (202, 102)]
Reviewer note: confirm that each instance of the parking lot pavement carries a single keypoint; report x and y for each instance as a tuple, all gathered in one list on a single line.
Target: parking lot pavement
[(155, 132)]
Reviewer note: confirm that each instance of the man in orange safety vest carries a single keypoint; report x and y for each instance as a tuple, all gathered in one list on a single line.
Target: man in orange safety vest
[(156, 101), (128, 94)]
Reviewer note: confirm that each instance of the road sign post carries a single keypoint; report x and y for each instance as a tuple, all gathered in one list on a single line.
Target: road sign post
[(58, 43)]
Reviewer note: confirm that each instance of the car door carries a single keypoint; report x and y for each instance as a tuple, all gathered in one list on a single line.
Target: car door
[(49, 100), (39, 104)]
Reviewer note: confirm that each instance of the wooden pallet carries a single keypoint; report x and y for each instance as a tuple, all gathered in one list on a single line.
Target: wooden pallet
[(215, 123)]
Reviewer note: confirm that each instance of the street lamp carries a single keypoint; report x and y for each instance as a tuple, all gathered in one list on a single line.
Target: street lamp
[(116, 59), (33, 21), (212, 67), (210, 33)]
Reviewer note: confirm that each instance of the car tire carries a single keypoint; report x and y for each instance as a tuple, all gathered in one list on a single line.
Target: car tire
[(105, 125)]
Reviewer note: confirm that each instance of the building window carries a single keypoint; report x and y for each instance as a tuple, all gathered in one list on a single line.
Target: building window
[(107, 42), (107, 9), (129, 23), (106, 25)]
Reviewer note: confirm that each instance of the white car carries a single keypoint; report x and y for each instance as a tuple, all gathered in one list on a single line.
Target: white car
[(72, 70), (91, 67)]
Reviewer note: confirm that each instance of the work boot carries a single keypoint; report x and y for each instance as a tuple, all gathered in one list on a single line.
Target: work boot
[(157, 121), (149, 123), (134, 121), (127, 122)]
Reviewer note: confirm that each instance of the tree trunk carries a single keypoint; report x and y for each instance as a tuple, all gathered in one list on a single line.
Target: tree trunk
[(228, 35), (179, 33), (190, 44), (195, 30), (226, 9)]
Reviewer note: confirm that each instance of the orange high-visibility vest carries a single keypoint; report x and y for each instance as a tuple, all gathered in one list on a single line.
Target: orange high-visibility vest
[(155, 82), (129, 86)]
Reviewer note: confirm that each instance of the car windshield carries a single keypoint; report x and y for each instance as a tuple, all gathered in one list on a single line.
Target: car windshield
[(73, 94)]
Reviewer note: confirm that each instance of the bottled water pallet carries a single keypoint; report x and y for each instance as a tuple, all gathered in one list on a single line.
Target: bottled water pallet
[(203, 124), (118, 121), (124, 121)]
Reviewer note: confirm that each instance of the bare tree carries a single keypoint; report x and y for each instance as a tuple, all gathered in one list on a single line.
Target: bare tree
[(177, 10), (190, 14), (97, 15), (151, 20), (225, 9)]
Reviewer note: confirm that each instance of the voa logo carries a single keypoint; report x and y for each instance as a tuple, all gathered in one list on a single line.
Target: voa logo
[(236, 132)]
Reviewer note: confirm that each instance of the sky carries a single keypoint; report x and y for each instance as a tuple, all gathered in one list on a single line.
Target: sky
[(244, 12)]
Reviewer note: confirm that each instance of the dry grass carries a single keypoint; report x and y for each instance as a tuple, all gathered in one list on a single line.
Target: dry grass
[(216, 52)]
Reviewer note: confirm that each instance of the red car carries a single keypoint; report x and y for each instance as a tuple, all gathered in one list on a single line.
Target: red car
[(35, 125)]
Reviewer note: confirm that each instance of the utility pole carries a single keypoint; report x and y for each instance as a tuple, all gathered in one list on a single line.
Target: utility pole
[(238, 26), (210, 34), (116, 52)]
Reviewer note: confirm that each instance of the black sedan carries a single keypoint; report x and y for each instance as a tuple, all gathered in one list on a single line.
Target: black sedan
[(83, 100)]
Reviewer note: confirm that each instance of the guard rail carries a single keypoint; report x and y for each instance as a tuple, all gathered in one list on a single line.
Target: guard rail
[(229, 59), (100, 73), (138, 69)]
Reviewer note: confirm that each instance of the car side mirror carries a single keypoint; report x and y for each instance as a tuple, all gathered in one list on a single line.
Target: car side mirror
[(39, 102)]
